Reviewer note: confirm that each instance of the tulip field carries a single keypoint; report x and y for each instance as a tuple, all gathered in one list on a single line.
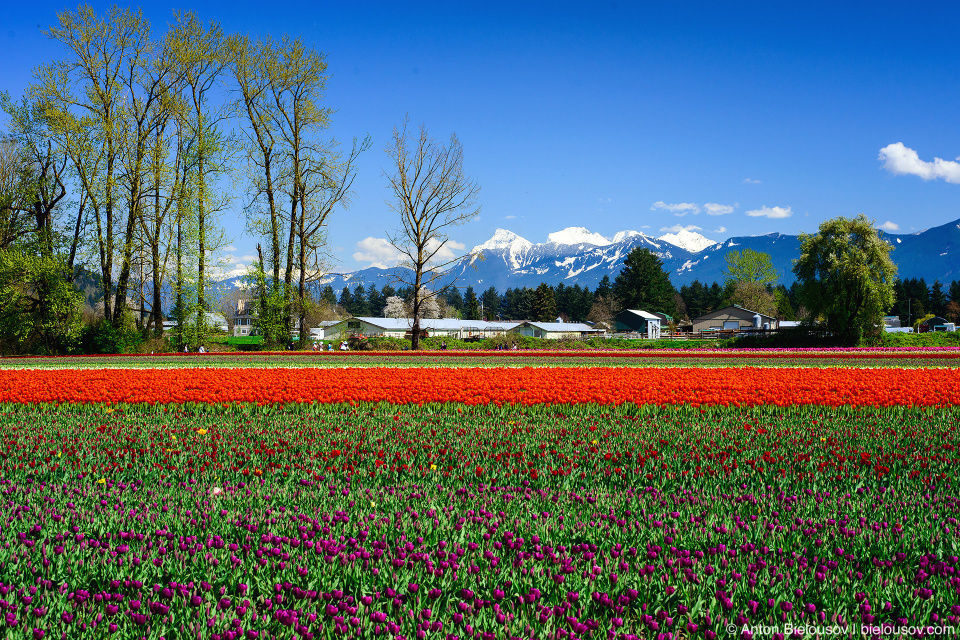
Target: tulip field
[(511, 501)]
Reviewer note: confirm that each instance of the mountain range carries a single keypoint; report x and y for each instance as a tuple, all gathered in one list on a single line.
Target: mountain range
[(577, 256)]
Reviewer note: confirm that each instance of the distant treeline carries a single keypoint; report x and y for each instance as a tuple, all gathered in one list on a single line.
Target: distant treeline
[(545, 303)]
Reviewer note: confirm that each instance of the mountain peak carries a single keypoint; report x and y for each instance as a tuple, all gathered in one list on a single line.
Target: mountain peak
[(504, 239), (689, 240), (577, 235)]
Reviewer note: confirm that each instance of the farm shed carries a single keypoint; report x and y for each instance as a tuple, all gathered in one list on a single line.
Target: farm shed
[(556, 330), (733, 318), (637, 320), (401, 327)]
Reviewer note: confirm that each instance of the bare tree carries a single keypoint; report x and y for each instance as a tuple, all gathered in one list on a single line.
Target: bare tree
[(431, 194)]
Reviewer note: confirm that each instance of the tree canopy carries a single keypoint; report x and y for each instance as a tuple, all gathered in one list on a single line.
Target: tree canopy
[(846, 277), (643, 284), (750, 266)]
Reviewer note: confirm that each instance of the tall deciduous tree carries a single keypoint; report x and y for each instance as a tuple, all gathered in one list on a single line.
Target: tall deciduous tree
[(750, 266), (431, 194), (298, 179), (846, 276), (91, 101), (643, 284)]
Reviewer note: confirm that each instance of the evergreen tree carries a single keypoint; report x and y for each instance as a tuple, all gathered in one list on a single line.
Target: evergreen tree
[(375, 301), (604, 289), (544, 304), (715, 299), (643, 284), (954, 291), (472, 305), (454, 299), (491, 303), (359, 300), (561, 294), (345, 300), (328, 296), (938, 299)]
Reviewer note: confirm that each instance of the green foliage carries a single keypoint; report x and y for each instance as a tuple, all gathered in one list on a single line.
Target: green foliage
[(544, 304), (784, 308), (40, 310), (103, 337), (846, 277), (271, 308), (643, 284), (472, 305), (750, 266), (686, 468), (929, 339)]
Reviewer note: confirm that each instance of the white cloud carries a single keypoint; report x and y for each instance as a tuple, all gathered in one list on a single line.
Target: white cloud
[(770, 212), (677, 228), (509, 217), (720, 230), (446, 252), (889, 226), (378, 252), (902, 160), (715, 209), (230, 248), (679, 209), (751, 181)]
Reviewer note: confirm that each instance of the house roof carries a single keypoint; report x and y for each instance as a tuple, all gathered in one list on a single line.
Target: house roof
[(435, 324), (712, 314), (561, 326), (643, 314)]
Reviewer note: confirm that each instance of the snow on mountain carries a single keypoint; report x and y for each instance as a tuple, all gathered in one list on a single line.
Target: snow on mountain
[(512, 247), (689, 240), (503, 239), (577, 235), (623, 236), (577, 256)]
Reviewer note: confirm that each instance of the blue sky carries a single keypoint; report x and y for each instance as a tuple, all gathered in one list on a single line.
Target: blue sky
[(738, 118)]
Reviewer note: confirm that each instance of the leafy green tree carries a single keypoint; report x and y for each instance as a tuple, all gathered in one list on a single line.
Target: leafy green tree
[(784, 308), (643, 284), (846, 276), (40, 310), (753, 296), (270, 307), (750, 266)]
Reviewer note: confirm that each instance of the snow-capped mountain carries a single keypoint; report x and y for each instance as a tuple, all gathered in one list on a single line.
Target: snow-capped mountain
[(577, 256), (686, 239)]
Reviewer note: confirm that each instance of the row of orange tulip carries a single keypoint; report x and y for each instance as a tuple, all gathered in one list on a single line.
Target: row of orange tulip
[(525, 386)]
